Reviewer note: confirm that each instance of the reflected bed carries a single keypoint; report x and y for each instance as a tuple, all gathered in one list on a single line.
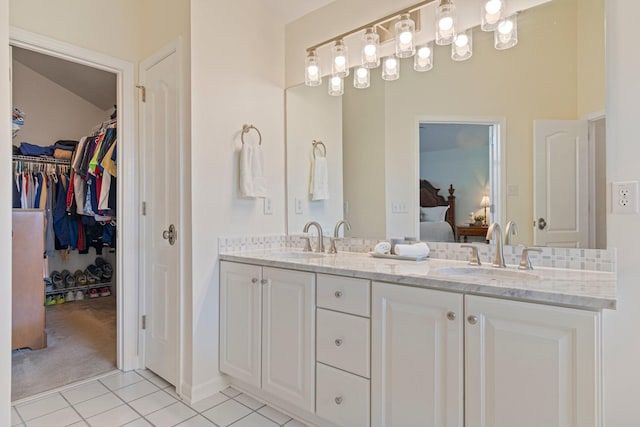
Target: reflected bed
[(437, 214)]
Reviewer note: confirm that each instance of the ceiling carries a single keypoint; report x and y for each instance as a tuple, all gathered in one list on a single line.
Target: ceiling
[(95, 86), (290, 10), (446, 136)]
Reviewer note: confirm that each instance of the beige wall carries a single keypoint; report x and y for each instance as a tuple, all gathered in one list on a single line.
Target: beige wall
[(591, 65), (52, 111)]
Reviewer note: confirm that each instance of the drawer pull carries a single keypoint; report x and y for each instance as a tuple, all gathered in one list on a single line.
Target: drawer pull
[(451, 315), (338, 294), (338, 400), (338, 342), (254, 280)]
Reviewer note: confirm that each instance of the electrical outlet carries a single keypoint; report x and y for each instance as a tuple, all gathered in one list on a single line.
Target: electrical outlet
[(298, 204), (624, 197), (268, 207)]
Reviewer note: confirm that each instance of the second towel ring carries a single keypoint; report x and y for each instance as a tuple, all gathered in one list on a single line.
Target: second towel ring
[(315, 145), (247, 129)]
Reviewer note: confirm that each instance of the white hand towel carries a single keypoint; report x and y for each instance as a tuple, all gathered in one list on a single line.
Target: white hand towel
[(319, 188), (252, 180), (415, 250), (382, 248)]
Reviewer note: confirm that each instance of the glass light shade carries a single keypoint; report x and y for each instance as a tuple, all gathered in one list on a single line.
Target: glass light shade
[(361, 79), (462, 46), (506, 35), (312, 74), (339, 60), (336, 86), (485, 201), (423, 61), (370, 46), (390, 68), (405, 35), (492, 11), (445, 22)]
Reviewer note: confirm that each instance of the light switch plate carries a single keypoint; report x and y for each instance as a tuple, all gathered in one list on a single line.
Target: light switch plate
[(268, 206), (298, 205)]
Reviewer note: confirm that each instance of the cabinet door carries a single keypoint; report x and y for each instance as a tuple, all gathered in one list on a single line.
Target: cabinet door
[(240, 296), (416, 357), (288, 338), (530, 365)]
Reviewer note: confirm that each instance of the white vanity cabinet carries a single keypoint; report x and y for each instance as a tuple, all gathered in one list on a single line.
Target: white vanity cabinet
[(267, 330), (525, 364)]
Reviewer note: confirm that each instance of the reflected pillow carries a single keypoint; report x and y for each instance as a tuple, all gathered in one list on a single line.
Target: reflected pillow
[(434, 214)]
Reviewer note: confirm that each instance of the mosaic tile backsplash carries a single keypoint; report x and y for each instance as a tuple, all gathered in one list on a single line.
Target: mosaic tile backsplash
[(576, 259)]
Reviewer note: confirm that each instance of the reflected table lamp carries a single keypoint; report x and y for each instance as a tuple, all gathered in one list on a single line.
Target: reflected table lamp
[(484, 203)]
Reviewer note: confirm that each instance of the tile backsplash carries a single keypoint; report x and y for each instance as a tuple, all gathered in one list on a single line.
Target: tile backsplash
[(576, 259)]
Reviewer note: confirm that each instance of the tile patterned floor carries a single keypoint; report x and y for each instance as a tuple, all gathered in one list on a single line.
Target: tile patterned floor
[(139, 398)]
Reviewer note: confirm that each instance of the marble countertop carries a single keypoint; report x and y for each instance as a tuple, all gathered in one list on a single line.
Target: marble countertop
[(584, 289)]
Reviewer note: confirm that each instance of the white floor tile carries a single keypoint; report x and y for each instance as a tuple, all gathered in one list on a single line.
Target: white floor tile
[(15, 418), (230, 391), (210, 402), (42, 406), (136, 390), (248, 401), (172, 392), (140, 422), (159, 382), (79, 424), (152, 402), (295, 423), (98, 405), (274, 415), (227, 412), (60, 418), (255, 420), (121, 379), (85, 392), (171, 415), (198, 421), (145, 373), (115, 417)]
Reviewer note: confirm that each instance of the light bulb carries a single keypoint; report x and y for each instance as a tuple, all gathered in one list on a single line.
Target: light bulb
[(493, 6), (506, 33), (492, 12), (335, 82), (340, 61), (461, 47), (361, 78), (370, 50), (505, 27), (446, 23), (391, 69), (362, 72), (424, 52), (423, 60), (312, 75), (336, 86), (312, 70), (390, 64), (462, 40), (406, 37), (404, 30)]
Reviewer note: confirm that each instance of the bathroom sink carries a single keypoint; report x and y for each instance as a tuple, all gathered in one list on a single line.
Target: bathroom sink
[(487, 272), (297, 255)]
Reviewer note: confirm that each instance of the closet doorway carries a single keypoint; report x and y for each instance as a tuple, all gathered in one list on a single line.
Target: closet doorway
[(67, 94)]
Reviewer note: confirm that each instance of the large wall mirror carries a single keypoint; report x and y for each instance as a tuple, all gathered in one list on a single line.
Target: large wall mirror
[(523, 126)]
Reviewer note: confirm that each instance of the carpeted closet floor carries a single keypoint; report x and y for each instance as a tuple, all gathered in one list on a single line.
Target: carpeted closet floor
[(81, 343)]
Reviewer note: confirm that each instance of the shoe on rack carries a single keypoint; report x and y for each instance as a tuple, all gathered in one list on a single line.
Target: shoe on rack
[(79, 295), (93, 293), (59, 299), (107, 271), (56, 279), (70, 281), (51, 300), (91, 279), (105, 292), (81, 278), (100, 262), (95, 273), (69, 296)]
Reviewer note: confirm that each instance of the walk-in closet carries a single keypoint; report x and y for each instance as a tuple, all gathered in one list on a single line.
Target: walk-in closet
[(64, 222)]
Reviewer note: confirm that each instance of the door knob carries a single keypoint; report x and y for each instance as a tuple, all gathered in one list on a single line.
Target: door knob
[(170, 234), (542, 224)]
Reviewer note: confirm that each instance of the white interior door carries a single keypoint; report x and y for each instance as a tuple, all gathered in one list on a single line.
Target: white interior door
[(561, 205), (160, 194)]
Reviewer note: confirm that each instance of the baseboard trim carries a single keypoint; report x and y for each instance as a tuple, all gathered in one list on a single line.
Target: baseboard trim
[(193, 394)]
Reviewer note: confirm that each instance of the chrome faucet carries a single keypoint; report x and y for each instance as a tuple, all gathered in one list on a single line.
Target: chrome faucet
[(495, 230), (511, 229), (336, 236), (319, 228)]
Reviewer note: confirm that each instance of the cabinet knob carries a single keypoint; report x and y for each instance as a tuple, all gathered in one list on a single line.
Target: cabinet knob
[(338, 342), (264, 281), (338, 400), (338, 294), (473, 319), (254, 280), (451, 315)]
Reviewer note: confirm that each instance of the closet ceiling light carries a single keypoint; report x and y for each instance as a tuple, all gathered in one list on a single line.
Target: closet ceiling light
[(492, 11)]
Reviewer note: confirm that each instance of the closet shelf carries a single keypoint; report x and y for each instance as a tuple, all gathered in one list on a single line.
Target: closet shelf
[(78, 288), (35, 159)]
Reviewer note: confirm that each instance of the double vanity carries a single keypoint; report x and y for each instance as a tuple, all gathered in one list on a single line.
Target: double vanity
[(351, 340)]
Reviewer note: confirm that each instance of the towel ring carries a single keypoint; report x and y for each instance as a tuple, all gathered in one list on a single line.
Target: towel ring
[(315, 145), (247, 129)]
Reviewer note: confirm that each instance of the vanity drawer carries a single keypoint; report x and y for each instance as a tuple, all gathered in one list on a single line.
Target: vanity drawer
[(343, 341), (341, 397), (344, 294)]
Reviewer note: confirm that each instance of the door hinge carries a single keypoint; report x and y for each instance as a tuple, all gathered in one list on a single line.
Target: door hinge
[(143, 322), (143, 92), (144, 208)]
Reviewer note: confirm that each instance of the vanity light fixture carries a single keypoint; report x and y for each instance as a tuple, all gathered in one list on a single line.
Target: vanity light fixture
[(340, 59), (312, 74), (461, 48), (390, 68), (405, 34), (445, 22), (361, 78), (506, 33), (336, 86), (492, 11), (370, 46), (423, 61)]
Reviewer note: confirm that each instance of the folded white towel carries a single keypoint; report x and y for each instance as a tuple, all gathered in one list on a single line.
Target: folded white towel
[(252, 180), (319, 186), (415, 250), (382, 248)]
